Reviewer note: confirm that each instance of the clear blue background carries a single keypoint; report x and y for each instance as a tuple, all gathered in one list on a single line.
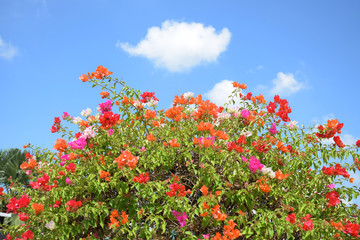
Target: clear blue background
[(57, 41)]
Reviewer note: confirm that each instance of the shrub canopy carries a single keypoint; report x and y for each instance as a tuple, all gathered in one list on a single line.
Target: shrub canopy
[(193, 171)]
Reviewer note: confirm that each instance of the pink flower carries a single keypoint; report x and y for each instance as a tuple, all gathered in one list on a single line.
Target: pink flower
[(180, 217), (255, 164), (143, 149), (273, 129), (244, 159), (331, 186), (105, 107), (110, 132), (78, 144), (245, 113), (68, 181), (65, 115), (62, 163), (205, 236)]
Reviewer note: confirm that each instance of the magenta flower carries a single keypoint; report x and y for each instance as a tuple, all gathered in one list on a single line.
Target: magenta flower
[(331, 186), (64, 157), (105, 107), (68, 181), (245, 113), (62, 163), (273, 129), (255, 164), (244, 159), (180, 217), (110, 132), (66, 115), (78, 144)]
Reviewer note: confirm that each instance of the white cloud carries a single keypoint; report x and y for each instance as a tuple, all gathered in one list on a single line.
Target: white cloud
[(220, 92), (7, 50), (348, 139), (179, 46), (285, 84)]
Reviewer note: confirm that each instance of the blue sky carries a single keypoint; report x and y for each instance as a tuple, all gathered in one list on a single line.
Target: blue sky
[(306, 51)]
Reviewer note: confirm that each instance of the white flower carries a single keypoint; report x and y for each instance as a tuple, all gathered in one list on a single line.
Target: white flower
[(188, 95), (137, 103), (246, 133), (292, 124), (151, 103), (77, 120), (86, 112), (50, 225), (233, 110), (88, 133), (268, 171), (224, 115)]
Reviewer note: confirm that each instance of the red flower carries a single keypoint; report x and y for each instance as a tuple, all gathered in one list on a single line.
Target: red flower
[(108, 119), (177, 190), (291, 218), (27, 235), (142, 178), (23, 217), (42, 183), (358, 143), (333, 198), (73, 205), (57, 203), (352, 229), (338, 142), (71, 167), (15, 204)]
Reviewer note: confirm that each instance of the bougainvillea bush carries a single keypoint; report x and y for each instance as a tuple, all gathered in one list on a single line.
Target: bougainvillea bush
[(193, 171)]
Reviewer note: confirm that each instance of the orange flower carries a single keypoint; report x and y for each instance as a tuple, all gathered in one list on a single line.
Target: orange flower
[(124, 218), (150, 137), (28, 165), (174, 113), (238, 85), (222, 135), (104, 175), (38, 208), (84, 78), (60, 145), (280, 145), (279, 175), (174, 143), (230, 231), (126, 158), (155, 123), (205, 205), (125, 100), (263, 187), (217, 213), (352, 180), (204, 214), (149, 114), (332, 123), (338, 226), (104, 94), (204, 190), (84, 123), (217, 193)]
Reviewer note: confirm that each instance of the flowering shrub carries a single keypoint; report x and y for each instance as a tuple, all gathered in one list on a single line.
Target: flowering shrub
[(194, 171)]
